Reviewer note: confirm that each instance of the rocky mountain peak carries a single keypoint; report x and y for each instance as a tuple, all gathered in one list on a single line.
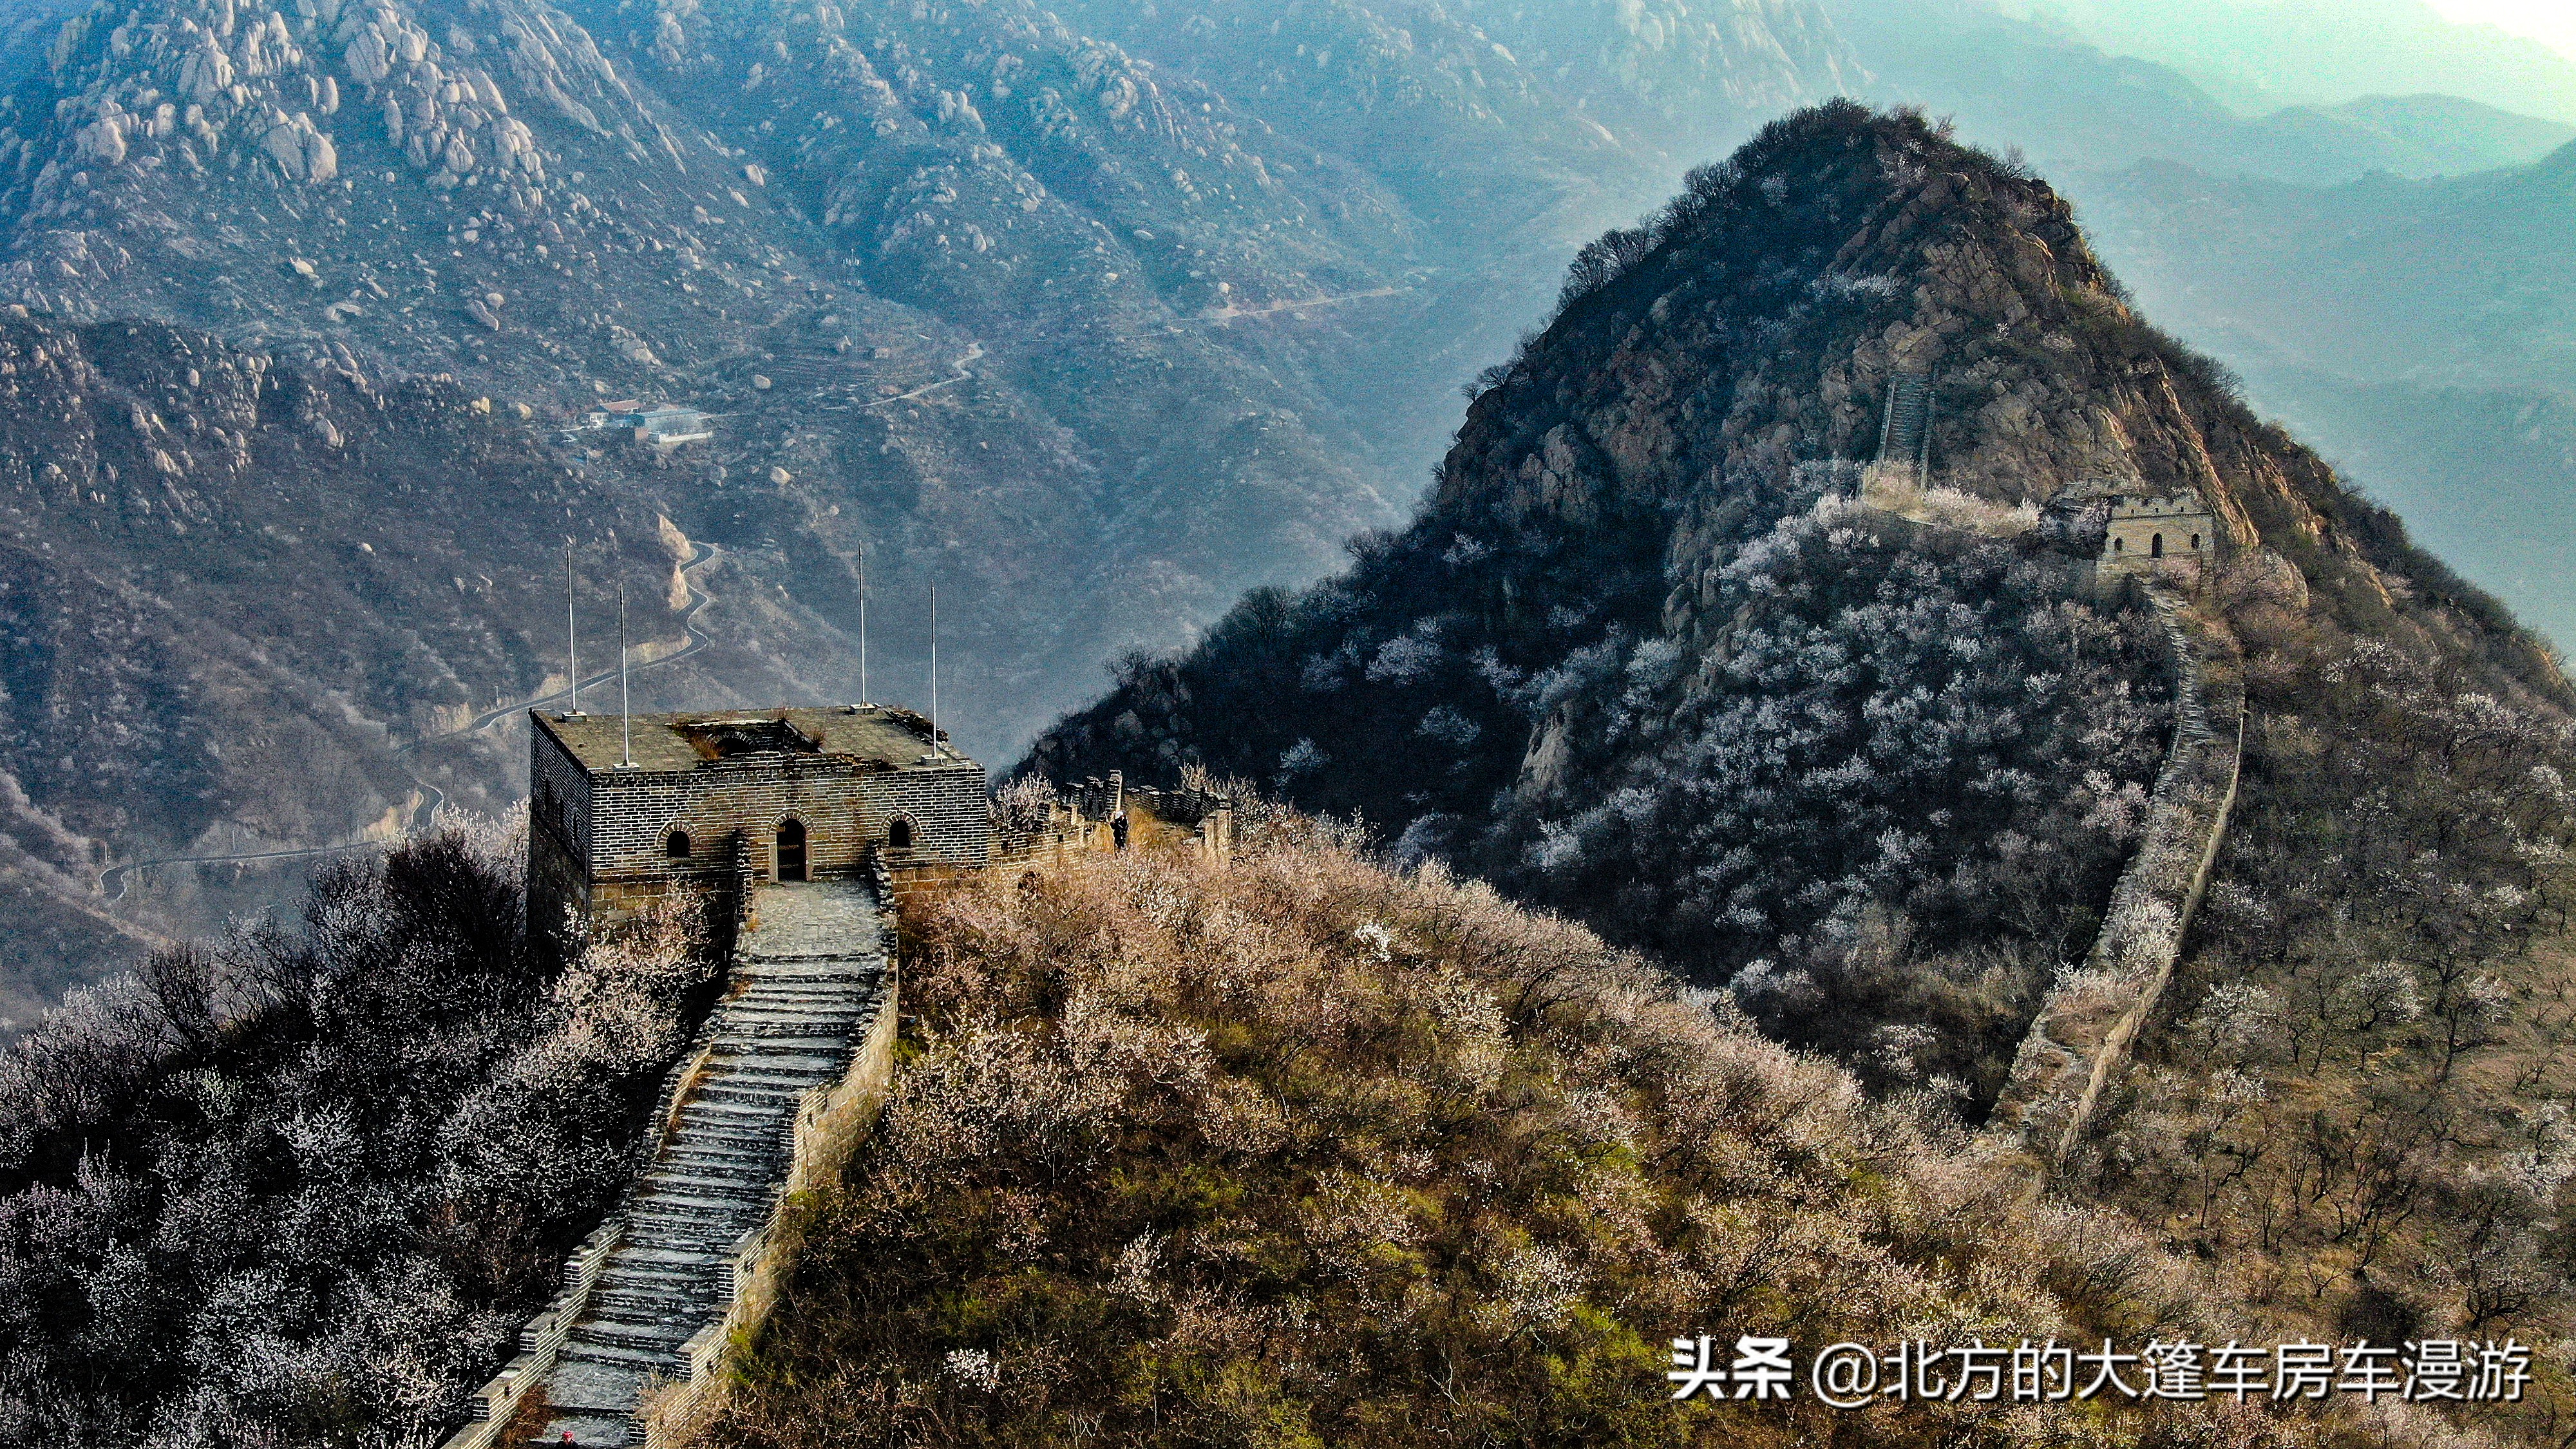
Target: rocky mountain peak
[(1758, 618)]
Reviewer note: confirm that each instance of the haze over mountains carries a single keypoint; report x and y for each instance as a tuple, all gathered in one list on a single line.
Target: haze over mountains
[(1270, 1141), (2409, 331), (1094, 341), (1100, 312)]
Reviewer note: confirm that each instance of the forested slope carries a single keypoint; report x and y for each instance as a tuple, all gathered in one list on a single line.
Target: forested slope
[(301, 1184), (1645, 658)]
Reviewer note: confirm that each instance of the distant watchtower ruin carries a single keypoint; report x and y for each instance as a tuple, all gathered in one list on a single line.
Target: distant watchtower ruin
[(2172, 536), (788, 794)]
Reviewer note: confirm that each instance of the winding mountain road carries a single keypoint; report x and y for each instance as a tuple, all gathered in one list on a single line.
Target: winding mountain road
[(112, 881), (974, 351)]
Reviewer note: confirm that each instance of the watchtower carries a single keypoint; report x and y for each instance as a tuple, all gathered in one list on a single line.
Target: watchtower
[(622, 809), (2174, 536)]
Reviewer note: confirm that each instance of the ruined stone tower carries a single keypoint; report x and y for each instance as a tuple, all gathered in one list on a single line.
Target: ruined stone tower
[(2174, 536), (806, 794)]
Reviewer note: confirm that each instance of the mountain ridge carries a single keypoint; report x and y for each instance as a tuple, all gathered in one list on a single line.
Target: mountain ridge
[(1696, 416)]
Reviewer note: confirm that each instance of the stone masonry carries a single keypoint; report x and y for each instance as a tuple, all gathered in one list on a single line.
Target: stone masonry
[(622, 809), (811, 978), (781, 1080), (2083, 1032)]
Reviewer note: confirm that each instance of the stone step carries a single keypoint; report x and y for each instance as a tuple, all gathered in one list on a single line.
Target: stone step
[(771, 1091), (634, 1307), (646, 1319), (700, 1160), (758, 1015), (709, 1147), (663, 1209), (660, 1267), (777, 1102), (603, 1429), (588, 1350), (807, 986), (681, 1179), (678, 1228), (595, 1333)]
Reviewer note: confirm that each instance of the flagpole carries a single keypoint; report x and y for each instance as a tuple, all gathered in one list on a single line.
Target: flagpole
[(625, 715), (934, 666), (572, 631)]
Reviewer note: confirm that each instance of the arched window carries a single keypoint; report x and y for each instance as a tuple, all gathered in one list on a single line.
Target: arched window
[(2195, 543), (791, 850), (2156, 546), (899, 834), (676, 845), (2119, 545)]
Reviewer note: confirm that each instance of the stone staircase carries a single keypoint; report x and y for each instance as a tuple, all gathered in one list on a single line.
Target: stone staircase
[(810, 979), (1909, 416)]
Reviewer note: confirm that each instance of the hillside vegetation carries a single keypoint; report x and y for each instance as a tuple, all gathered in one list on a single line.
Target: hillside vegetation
[(1307, 1151), (300, 1185), (1644, 659)]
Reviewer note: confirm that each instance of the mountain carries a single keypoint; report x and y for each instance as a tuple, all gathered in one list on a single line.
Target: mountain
[(2084, 106), (2287, 247), (1085, 315), (1637, 659), (1661, 653), (2427, 134), (2259, 53), (235, 589)]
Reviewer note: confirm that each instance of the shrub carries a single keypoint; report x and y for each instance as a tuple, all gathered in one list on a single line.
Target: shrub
[(300, 1186), (1308, 1152)]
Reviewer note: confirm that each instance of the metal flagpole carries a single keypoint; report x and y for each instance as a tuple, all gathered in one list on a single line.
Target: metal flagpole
[(863, 624), (625, 718), (572, 631), (934, 666)]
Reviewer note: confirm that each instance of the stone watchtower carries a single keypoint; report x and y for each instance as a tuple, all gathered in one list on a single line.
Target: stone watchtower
[(809, 794), (2175, 536)]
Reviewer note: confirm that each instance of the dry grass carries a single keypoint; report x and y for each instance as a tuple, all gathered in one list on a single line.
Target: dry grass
[(1309, 1152)]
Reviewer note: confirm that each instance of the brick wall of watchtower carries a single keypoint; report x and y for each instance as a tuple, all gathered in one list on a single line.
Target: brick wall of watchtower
[(600, 840)]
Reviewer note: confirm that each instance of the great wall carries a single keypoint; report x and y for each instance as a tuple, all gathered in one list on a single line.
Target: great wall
[(781, 1082), (828, 816), (2085, 1028), (2083, 1032), (802, 828)]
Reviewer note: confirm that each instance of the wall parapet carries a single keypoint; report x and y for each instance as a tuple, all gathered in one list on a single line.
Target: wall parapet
[(2093, 1014), (831, 1121)]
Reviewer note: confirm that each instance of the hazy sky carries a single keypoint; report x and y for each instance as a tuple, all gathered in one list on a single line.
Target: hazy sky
[(2552, 22)]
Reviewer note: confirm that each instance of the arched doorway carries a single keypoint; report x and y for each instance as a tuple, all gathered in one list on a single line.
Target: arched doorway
[(676, 845), (2156, 546), (791, 850), (899, 834)]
